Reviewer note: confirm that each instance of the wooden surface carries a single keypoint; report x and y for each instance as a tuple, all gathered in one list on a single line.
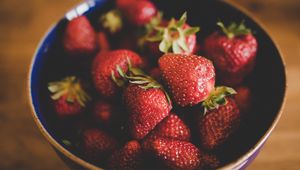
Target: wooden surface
[(22, 23)]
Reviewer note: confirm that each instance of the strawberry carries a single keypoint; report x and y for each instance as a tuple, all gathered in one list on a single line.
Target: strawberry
[(173, 36), (127, 158), (106, 63), (190, 78), (103, 42), (209, 161), (171, 127), (221, 119), (243, 98), (79, 37), (233, 52), (139, 12), (122, 4), (97, 145), (146, 100), (103, 112), (147, 107), (68, 96), (176, 154)]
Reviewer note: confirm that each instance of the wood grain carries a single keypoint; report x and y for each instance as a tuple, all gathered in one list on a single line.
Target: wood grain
[(22, 24)]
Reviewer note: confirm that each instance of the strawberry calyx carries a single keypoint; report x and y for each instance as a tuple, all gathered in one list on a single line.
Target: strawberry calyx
[(172, 37), (71, 87), (217, 98), (234, 29), (137, 76), (112, 21)]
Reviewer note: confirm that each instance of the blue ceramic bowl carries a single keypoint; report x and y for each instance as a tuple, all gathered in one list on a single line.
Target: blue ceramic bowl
[(268, 81)]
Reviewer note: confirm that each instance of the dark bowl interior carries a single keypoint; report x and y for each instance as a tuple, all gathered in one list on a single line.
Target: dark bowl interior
[(267, 81)]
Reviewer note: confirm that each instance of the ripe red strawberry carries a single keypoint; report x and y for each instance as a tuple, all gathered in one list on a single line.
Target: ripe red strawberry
[(176, 154), (103, 43), (147, 107), (68, 96), (97, 145), (172, 36), (209, 161), (139, 12), (233, 52), (106, 63), (171, 127), (122, 4), (221, 119), (127, 158), (80, 37), (190, 78), (243, 98), (103, 112)]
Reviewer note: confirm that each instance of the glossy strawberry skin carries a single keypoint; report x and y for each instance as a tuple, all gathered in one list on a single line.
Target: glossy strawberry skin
[(176, 154), (80, 37), (97, 145), (171, 127), (65, 108), (190, 78), (140, 12), (146, 109), (233, 58), (127, 158), (219, 124), (105, 63)]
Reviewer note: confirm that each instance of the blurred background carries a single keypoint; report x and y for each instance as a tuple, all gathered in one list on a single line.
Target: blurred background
[(23, 23)]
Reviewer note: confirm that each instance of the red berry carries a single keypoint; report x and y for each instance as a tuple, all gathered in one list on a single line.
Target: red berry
[(122, 4), (68, 96), (127, 158), (103, 112), (176, 154), (174, 36), (171, 127), (147, 107), (209, 161), (190, 78), (80, 37), (243, 98), (219, 124), (103, 42), (97, 145), (105, 63), (140, 12), (233, 52)]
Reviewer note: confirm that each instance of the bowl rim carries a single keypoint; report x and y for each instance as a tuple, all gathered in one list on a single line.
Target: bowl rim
[(240, 162)]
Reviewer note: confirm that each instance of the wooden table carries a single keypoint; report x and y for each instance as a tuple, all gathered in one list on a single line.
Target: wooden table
[(22, 23)]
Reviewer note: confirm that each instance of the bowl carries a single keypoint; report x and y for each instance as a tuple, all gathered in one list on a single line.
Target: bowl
[(268, 80)]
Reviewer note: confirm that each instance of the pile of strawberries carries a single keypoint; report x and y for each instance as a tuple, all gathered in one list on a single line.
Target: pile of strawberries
[(157, 103)]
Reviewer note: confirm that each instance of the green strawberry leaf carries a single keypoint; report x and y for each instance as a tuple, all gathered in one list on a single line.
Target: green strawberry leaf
[(182, 20), (191, 31), (164, 46), (217, 98), (234, 29)]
